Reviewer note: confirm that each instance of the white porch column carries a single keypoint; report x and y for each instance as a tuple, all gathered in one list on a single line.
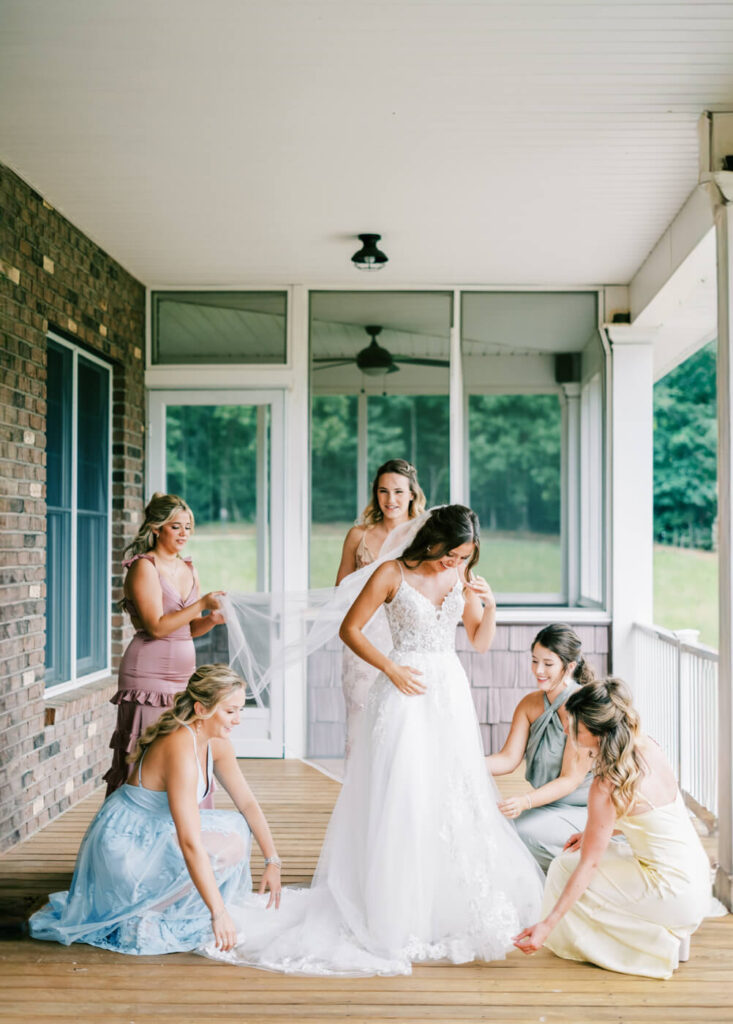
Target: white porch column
[(571, 488), (632, 489), (724, 243)]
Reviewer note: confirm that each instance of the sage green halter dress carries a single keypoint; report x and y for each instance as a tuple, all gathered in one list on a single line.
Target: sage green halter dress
[(545, 830)]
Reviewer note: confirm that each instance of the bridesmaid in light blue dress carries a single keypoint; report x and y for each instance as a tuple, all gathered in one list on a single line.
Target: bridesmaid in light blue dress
[(556, 805), (154, 874)]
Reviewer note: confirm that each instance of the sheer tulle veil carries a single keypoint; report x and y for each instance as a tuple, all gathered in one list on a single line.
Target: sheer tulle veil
[(270, 632)]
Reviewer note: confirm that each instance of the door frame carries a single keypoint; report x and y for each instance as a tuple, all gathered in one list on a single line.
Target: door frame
[(158, 400)]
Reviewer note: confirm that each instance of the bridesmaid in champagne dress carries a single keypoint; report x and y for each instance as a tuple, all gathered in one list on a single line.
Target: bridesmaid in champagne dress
[(161, 597), (628, 909), (396, 498)]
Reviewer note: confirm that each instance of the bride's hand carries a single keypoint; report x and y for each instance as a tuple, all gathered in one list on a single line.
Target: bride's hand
[(406, 680), (482, 590)]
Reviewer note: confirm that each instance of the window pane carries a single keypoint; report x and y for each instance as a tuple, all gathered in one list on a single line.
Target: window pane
[(211, 459), (219, 327), (91, 593), (415, 428), (514, 451), (334, 485), (93, 437), (58, 596), (58, 429)]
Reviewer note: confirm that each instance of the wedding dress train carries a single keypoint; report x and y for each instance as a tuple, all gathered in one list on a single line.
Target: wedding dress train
[(418, 863)]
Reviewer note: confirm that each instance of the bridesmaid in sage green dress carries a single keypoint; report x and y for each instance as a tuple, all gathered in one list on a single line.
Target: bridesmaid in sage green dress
[(556, 805)]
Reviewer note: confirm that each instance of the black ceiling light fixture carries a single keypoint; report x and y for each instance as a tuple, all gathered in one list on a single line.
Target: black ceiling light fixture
[(375, 359), (369, 257)]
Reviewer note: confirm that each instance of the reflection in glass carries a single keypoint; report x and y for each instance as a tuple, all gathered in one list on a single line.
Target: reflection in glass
[(219, 327)]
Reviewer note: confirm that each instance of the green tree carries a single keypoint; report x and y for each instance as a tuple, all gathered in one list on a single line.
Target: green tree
[(685, 452)]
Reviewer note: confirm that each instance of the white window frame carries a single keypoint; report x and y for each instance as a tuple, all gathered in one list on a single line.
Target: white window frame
[(592, 497), (74, 681)]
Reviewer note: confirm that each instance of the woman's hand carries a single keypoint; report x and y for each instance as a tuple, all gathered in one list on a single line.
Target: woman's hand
[(225, 934), (513, 806), (406, 680), (271, 880), (532, 939), (482, 590), (215, 618), (573, 843), (210, 601)]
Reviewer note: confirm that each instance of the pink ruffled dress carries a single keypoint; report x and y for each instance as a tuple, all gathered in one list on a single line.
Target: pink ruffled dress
[(152, 671)]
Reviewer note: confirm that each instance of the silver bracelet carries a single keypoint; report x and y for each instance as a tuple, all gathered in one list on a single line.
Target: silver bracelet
[(273, 860)]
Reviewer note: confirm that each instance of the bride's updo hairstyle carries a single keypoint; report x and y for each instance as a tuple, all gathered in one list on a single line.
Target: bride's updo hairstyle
[(563, 641), (447, 527), (161, 509), (209, 685), (373, 514), (606, 710)]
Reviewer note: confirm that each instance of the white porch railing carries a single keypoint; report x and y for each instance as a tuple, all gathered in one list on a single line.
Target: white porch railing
[(676, 693)]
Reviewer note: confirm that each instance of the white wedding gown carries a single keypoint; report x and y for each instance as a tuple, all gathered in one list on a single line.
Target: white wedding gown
[(418, 863)]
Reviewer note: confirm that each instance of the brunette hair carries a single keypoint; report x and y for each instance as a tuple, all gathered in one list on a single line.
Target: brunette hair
[(446, 528), (159, 510), (209, 685), (373, 514), (563, 641), (607, 711)]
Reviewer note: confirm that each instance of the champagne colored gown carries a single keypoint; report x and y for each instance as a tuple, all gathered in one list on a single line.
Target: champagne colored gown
[(358, 676), (641, 900)]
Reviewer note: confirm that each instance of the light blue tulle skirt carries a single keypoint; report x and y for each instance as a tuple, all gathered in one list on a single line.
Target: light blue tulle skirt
[(131, 891)]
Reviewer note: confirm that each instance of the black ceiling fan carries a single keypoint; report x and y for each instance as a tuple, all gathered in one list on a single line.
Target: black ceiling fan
[(375, 359)]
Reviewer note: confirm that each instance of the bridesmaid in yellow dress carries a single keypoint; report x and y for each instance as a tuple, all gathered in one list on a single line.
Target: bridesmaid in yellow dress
[(396, 498), (629, 909)]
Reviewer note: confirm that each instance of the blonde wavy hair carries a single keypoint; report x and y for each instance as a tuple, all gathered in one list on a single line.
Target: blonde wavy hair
[(161, 509), (373, 514), (607, 711), (209, 685)]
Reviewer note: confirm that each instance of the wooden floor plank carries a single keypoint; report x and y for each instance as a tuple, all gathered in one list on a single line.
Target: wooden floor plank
[(43, 982)]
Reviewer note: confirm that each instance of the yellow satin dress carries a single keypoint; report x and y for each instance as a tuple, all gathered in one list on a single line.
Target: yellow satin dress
[(642, 899)]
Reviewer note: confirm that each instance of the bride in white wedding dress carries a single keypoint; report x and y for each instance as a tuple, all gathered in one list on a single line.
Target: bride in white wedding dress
[(418, 863)]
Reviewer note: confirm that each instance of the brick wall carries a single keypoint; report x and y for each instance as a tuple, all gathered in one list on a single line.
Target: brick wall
[(52, 277), (499, 680)]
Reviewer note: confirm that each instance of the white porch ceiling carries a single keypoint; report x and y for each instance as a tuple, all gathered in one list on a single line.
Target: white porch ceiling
[(243, 143)]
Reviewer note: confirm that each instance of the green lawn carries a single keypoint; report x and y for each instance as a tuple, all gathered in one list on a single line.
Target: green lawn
[(686, 591), (685, 581)]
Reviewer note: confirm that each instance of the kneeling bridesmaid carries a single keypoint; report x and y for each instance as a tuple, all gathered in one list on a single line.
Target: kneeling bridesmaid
[(154, 873), (628, 910)]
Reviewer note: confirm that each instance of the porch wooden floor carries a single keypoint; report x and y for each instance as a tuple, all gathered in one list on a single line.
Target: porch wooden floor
[(42, 982)]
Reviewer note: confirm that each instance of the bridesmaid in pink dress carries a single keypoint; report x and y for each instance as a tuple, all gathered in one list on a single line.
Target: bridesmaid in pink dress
[(161, 598), (396, 498)]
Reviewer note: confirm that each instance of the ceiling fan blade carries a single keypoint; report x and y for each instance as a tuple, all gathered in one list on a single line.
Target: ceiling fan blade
[(419, 361), (327, 364)]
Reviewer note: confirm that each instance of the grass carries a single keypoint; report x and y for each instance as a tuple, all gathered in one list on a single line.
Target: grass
[(686, 591), (685, 580)]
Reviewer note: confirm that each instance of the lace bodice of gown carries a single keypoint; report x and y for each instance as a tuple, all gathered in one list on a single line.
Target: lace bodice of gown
[(418, 625)]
